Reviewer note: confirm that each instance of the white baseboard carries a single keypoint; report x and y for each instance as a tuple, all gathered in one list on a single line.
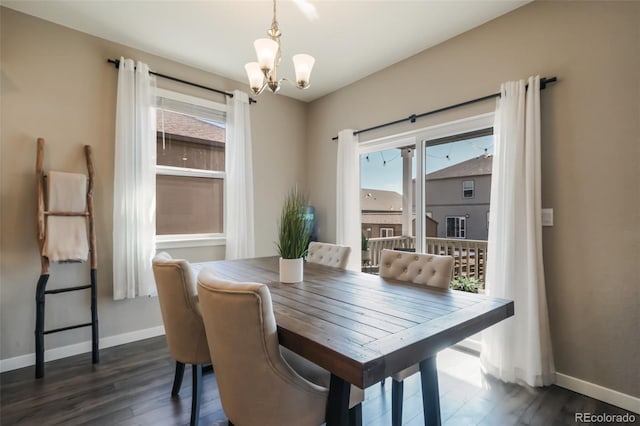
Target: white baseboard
[(79, 348), (610, 396)]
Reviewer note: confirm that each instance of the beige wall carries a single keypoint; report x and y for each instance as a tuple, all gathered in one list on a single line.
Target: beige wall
[(590, 158), (56, 84)]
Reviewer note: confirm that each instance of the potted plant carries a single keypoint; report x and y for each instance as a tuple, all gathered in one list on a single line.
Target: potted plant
[(294, 232), (468, 284)]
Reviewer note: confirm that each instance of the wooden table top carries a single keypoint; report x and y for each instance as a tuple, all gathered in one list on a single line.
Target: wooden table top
[(362, 327)]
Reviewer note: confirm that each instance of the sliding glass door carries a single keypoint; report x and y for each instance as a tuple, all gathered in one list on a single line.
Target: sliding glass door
[(445, 210)]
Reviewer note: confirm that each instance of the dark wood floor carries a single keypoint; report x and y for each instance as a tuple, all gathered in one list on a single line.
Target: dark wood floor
[(132, 385)]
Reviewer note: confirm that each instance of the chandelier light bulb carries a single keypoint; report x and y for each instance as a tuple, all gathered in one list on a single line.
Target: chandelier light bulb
[(266, 50), (303, 65), (256, 77)]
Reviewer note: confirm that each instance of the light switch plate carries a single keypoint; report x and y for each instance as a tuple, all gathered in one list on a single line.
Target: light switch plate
[(547, 217)]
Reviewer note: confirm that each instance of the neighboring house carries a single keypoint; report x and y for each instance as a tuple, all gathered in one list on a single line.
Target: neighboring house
[(458, 198), (381, 214)]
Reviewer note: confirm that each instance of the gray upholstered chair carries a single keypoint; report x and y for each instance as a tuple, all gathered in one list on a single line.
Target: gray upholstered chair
[(257, 385), (328, 254), (186, 337), (427, 269)]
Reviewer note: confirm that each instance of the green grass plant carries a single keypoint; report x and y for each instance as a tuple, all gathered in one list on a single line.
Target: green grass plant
[(294, 229)]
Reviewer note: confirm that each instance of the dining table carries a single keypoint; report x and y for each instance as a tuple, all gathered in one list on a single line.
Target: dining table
[(363, 328)]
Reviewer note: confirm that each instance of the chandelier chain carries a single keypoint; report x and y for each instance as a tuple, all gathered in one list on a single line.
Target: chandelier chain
[(274, 33)]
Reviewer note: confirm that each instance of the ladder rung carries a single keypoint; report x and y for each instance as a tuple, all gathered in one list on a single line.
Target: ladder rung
[(71, 327), (64, 290), (48, 213)]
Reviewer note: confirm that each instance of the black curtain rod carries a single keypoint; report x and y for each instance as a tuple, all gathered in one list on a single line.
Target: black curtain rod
[(116, 63), (413, 117)]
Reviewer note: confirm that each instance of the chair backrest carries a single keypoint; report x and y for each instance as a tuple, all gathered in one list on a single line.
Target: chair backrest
[(428, 269), (176, 283), (256, 385), (328, 254)]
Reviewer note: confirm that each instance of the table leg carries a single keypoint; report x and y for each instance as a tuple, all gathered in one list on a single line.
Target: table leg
[(338, 403), (430, 394)]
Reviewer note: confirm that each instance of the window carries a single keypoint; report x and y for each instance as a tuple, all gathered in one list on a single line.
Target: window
[(190, 170), (468, 187), (446, 155), (386, 232), (456, 227)]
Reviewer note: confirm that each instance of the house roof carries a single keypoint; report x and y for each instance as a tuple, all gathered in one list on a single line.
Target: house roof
[(185, 125), (378, 200), (474, 167)]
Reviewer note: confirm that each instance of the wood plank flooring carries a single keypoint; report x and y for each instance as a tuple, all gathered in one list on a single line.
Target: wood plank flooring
[(132, 386)]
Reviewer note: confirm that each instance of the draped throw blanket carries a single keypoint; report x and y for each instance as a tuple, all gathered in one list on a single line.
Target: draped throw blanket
[(66, 235)]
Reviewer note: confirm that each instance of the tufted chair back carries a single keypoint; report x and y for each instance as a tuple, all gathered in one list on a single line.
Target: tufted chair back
[(256, 385), (329, 254), (183, 325), (427, 269)]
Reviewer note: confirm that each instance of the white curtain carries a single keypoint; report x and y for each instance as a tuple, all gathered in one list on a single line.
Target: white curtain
[(134, 198), (240, 233), (348, 228), (519, 348)]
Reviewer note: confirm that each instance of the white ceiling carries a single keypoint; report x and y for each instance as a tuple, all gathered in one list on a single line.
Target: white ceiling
[(349, 39)]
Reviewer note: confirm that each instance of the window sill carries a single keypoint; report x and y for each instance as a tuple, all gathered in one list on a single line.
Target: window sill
[(189, 240)]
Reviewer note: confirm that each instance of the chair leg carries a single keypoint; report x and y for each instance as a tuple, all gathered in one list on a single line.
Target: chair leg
[(177, 379), (397, 390), (355, 415), (196, 370)]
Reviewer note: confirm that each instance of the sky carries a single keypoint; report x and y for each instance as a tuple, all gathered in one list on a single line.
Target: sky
[(383, 169)]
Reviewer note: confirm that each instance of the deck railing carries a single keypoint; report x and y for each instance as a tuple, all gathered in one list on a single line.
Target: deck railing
[(376, 245), (470, 255)]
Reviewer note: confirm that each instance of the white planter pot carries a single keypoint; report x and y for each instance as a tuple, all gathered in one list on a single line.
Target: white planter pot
[(291, 270)]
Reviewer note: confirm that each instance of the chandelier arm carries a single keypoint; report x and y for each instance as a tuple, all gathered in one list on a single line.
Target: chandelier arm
[(294, 83), (264, 85)]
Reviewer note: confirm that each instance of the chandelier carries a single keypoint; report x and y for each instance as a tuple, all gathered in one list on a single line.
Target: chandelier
[(264, 72)]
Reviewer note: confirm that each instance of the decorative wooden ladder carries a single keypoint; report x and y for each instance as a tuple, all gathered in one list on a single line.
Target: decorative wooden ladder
[(41, 290)]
